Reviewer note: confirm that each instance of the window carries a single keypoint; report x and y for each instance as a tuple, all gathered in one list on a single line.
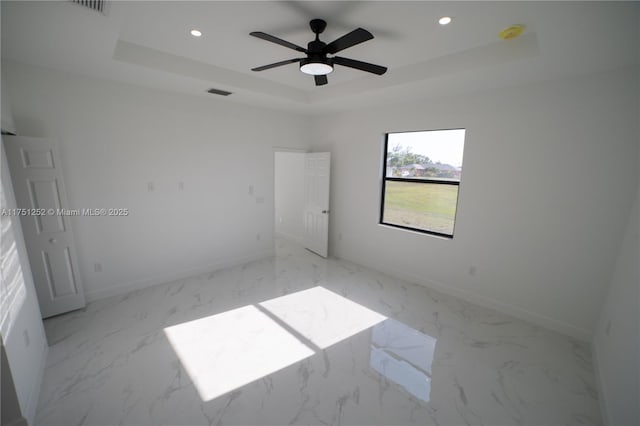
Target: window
[(420, 181)]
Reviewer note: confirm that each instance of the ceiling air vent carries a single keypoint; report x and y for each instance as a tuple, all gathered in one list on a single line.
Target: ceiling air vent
[(97, 5), (218, 92)]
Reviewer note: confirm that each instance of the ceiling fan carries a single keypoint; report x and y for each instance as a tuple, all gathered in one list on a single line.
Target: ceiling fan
[(317, 63)]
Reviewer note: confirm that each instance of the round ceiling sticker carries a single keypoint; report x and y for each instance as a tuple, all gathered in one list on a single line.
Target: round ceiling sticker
[(511, 32)]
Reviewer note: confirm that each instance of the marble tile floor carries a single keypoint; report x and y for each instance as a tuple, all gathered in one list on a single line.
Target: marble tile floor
[(297, 339)]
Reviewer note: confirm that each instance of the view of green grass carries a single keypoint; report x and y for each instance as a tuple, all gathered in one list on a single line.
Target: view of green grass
[(427, 206)]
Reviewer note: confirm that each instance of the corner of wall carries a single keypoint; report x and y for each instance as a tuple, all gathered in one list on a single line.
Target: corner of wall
[(602, 397), (616, 339)]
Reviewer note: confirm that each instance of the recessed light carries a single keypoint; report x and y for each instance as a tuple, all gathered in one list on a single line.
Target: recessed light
[(445, 20), (196, 33)]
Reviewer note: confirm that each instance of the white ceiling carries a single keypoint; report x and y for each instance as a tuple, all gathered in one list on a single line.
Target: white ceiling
[(148, 43)]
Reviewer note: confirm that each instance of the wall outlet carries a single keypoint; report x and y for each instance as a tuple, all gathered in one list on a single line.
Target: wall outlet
[(97, 267), (151, 186), (181, 186), (258, 237), (250, 189), (339, 236), (27, 342), (472, 270)]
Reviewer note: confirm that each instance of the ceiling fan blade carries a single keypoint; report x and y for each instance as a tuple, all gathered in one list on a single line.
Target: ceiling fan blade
[(321, 80), (277, 40), (356, 36), (276, 64), (359, 65)]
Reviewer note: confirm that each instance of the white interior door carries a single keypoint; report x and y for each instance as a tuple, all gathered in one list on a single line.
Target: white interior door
[(317, 168), (37, 182)]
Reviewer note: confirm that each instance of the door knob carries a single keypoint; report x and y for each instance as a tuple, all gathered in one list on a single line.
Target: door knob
[(325, 211), (53, 240)]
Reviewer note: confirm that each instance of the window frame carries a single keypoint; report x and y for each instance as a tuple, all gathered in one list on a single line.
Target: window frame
[(416, 181)]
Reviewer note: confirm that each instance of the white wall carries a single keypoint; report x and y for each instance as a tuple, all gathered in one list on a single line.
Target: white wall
[(116, 140), (289, 195), (545, 193), (5, 108), (616, 341), (6, 114), (20, 320)]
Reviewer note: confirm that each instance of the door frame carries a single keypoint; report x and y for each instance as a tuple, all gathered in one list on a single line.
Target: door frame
[(276, 150)]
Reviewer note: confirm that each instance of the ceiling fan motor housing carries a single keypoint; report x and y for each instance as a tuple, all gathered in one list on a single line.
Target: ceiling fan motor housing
[(316, 53), (316, 47)]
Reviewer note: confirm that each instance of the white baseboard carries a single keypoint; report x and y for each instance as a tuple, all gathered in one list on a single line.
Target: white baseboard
[(34, 393), (289, 237), (120, 289), (532, 317)]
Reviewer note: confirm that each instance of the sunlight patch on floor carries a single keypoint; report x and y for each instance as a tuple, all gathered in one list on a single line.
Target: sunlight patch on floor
[(322, 316), (226, 351)]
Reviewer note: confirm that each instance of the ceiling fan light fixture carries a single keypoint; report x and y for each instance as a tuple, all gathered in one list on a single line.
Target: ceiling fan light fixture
[(315, 67), (317, 63)]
